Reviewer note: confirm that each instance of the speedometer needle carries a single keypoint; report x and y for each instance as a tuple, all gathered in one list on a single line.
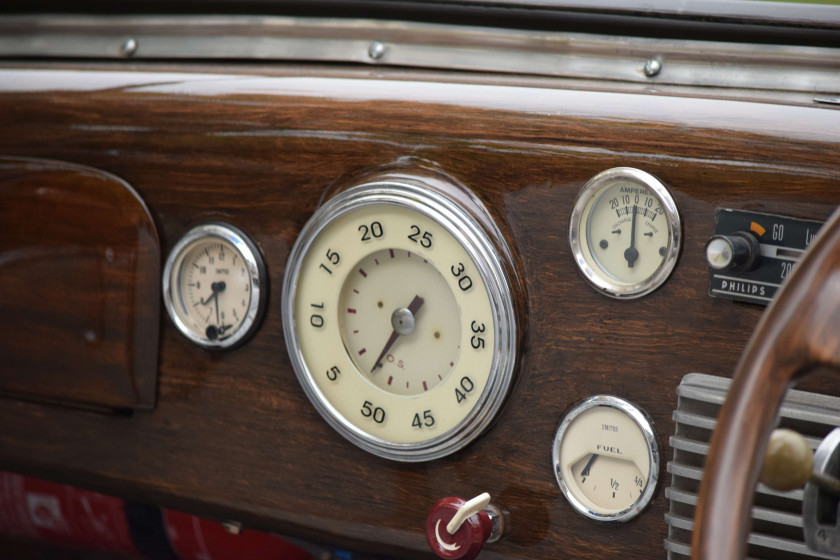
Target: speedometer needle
[(398, 318), (631, 253)]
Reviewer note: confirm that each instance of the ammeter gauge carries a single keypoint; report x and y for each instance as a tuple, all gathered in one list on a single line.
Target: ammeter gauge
[(625, 232), (214, 286), (606, 459), (399, 319)]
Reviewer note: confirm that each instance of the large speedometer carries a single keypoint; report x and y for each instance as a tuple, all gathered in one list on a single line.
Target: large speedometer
[(399, 319)]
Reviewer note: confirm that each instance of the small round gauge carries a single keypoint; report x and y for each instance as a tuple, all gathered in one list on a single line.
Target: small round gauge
[(625, 232), (606, 459), (399, 319), (214, 286)]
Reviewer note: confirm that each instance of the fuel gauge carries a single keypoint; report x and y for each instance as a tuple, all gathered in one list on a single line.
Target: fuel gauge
[(606, 459)]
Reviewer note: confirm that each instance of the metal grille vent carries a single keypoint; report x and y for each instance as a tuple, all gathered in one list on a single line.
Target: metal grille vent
[(776, 516)]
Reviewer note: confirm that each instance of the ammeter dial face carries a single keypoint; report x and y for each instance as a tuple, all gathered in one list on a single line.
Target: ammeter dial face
[(606, 459), (625, 232), (213, 286), (399, 320)]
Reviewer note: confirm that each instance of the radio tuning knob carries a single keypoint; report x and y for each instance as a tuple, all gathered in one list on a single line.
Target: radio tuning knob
[(456, 529), (736, 251)]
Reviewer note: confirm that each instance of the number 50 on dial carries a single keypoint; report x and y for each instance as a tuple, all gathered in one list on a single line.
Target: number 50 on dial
[(399, 318)]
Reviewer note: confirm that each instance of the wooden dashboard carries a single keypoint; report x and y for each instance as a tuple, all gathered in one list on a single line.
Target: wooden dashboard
[(232, 435)]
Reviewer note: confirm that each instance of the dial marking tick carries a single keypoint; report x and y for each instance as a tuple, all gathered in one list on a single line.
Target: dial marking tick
[(362, 351), (390, 379), (351, 310), (425, 388), (376, 261), (363, 273), (391, 252), (355, 290)]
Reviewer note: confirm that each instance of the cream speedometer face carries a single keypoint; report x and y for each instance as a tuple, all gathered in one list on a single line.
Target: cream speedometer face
[(625, 232), (376, 302), (399, 320)]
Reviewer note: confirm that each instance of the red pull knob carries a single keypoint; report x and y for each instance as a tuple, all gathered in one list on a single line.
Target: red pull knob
[(456, 529)]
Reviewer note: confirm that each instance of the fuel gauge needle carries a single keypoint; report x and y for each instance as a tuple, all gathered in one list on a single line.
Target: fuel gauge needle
[(585, 471), (408, 313)]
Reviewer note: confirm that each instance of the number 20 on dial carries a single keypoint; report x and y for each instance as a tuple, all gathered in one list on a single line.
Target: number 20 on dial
[(399, 320)]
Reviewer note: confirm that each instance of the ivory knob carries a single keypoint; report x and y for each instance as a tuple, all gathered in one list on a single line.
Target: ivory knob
[(788, 462)]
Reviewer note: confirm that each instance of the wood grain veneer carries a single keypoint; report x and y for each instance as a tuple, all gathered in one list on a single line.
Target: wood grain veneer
[(233, 435), (79, 287)]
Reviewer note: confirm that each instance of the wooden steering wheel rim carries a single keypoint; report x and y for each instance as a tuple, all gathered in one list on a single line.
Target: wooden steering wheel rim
[(798, 332)]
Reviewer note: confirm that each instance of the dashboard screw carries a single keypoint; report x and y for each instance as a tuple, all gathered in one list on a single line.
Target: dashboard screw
[(376, 50), (128, 48), (653, 67)]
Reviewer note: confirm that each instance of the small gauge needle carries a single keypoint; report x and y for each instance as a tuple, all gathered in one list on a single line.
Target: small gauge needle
[(413, 308), (216, 287), (631, 253), (585, 472)]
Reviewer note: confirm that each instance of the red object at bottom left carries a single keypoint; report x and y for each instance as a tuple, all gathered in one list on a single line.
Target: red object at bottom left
[(71, 517), (37, 509)]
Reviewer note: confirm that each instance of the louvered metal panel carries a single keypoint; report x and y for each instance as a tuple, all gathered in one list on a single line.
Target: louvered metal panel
[(777, 516)]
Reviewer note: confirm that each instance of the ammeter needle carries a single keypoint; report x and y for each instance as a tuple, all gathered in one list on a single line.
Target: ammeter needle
[(631, 253)]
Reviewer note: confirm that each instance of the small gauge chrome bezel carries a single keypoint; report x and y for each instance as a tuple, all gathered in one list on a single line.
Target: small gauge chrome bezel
[(645, 426), (487, 259), (255, 265), (591, 269)]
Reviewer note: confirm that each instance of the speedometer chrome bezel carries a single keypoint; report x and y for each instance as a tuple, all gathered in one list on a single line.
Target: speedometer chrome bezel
[(592, 271), (255, 267), (488, 258)]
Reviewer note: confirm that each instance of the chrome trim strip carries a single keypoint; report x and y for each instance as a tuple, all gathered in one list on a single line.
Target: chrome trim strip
[(419, 45), (753, 12)]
